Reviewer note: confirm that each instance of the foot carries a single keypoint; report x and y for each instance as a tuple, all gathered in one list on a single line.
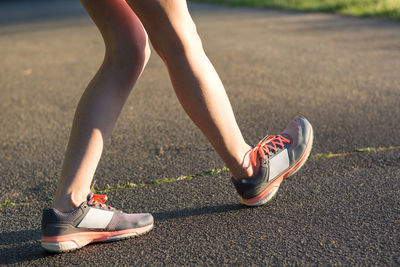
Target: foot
[(92, 221), (280, 156)]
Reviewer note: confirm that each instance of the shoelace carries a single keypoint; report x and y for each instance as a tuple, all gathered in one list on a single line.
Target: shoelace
[(267, 146), (99, 200)]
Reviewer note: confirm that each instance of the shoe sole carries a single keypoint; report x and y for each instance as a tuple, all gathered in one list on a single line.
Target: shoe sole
[(272, 188), (76, 241)]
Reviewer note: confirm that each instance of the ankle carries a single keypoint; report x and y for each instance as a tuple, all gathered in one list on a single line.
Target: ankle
[(243, 167), (69, 202)]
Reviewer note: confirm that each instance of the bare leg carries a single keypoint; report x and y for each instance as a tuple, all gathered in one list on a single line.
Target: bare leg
[(127, 53), (196, 83)]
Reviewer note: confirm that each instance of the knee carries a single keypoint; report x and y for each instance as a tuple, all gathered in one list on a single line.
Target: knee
[(138, 51), (130, 54)]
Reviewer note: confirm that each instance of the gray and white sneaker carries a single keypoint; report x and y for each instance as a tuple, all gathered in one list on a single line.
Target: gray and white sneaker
[(280, 156), (92, 221)]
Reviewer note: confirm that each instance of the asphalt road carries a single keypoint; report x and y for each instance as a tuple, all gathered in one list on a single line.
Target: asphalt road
[(342, 73)]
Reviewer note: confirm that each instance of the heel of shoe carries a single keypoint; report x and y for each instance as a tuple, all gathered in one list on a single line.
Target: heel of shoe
[(58, 247), (263, 200)]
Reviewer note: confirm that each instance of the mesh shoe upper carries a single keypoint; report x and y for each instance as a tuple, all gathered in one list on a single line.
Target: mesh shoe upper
[(277, 155), (91, 215)]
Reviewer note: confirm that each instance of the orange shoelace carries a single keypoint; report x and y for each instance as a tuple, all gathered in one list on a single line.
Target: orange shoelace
[(267, 146), (99, 200)]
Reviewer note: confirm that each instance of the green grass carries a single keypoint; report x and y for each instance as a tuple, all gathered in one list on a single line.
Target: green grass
[(371, 8), (8, 204), (358, 150), (161, 181)]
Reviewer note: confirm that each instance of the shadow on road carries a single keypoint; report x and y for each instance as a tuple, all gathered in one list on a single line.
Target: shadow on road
[(21, 246), (190, 212), (17, 12), (18, 237)]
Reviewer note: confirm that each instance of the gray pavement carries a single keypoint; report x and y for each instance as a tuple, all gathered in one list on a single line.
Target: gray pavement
[(340, 72)]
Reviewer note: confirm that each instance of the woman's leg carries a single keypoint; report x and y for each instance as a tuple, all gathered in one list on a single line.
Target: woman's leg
[(196, 83), (127, 52)]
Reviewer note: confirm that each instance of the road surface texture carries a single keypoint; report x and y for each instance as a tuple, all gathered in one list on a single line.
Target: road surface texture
[(342, 73)]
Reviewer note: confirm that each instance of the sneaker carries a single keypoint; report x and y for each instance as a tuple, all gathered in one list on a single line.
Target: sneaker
[(280, 156), (92, 221)]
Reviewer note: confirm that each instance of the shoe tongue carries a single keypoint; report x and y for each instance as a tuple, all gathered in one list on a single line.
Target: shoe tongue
[(278, 145), (287, 137), (89, 197)]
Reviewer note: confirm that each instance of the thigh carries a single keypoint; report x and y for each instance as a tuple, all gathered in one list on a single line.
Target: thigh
[(167, 22), (116, 21)]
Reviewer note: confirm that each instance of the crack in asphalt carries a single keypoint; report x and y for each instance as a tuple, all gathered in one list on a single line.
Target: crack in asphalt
[(165, 180), (206, 173), (359, 150)]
